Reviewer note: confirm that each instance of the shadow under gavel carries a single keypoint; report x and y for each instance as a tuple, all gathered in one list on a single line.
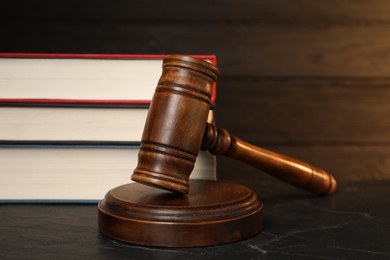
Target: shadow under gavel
[(176, 129)]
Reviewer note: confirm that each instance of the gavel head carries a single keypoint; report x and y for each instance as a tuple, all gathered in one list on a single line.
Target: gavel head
[(175, 123)]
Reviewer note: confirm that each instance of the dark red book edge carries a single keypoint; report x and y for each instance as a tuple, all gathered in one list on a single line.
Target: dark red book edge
[(39, 101)]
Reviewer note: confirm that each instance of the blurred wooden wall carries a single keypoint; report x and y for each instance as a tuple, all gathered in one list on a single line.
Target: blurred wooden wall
[(307, 78)]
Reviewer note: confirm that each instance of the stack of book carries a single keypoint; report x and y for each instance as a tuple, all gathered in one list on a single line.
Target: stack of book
[(71, 125)]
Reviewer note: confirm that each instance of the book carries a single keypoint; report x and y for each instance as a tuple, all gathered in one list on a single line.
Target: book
[(73, 173), (34, 78), (36, 123)]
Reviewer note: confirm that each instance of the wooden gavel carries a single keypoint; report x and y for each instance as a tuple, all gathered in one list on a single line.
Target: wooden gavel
[(176, 129)]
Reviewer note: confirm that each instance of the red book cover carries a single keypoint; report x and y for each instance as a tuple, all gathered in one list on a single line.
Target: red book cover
[(48, 72)]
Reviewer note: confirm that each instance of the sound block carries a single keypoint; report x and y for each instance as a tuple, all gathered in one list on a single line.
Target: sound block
[(212, 213)]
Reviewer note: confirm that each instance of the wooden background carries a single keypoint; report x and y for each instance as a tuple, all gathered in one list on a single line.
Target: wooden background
[(307, 78)]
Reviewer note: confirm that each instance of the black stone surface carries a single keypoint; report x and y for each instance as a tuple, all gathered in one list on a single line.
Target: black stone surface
[(354, 223)]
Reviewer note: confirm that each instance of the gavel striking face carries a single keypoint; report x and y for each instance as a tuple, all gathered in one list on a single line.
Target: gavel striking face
[(176, 129)]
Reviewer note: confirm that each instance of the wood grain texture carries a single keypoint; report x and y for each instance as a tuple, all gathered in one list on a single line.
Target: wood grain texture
[(259, 50), (284, 38), (345, 162), (308, 111), (293, 12)]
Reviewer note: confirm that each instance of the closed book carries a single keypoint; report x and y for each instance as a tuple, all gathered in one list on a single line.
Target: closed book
[(81, 78), (40, 123), (53, 173)]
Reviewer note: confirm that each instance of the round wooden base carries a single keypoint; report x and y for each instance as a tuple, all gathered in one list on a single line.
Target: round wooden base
[(214, 212)]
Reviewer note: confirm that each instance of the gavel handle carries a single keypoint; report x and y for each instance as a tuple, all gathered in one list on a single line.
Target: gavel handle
[(298, 173)]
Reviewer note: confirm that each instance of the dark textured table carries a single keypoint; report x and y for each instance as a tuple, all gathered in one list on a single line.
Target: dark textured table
[(352, 224)]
